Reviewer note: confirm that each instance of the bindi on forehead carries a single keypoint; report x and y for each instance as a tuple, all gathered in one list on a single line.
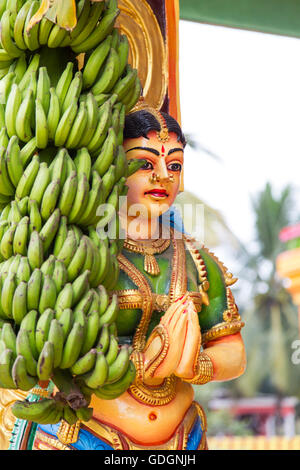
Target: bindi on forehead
[(163, 150)]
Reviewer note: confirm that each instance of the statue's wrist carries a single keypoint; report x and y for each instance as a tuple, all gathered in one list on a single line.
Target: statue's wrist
[(203, 370)]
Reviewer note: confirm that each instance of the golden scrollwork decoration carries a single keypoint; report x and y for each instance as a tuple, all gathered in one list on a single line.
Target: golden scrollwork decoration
[(147, 48)]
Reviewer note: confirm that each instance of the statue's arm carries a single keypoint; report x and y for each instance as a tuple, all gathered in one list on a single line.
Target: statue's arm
[(228, 357)]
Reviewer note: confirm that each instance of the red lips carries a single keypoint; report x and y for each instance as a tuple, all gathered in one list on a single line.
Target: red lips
[(160, 192)]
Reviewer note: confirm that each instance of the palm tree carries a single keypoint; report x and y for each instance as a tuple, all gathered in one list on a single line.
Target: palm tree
[(271, 317)]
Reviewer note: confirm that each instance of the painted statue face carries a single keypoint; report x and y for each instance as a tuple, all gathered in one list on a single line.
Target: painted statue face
[(163, 159)]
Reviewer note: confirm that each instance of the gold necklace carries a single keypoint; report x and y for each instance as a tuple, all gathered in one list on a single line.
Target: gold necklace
[(148, 248)]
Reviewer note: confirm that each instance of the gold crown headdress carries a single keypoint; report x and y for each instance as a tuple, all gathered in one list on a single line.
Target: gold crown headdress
[(163, 134)]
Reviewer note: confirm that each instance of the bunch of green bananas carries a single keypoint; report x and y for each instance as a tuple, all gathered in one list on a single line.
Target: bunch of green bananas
[(81, 339), (61, 159)]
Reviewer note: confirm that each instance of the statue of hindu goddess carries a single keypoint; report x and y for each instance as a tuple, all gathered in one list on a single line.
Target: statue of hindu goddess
[(176, 310)]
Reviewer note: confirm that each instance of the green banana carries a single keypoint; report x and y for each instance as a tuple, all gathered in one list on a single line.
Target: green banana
[(13, 160), (31, 38), (109, 75), (66, 321), (5, 36), (125, 84), (12, 106), (60, 275), (113, 349), (48, 294), (26, 182), (50, 198), (72, 346), (21, 236), (68, 249), (56, 336), (64, 82), (104, 299), (43, 89), (44, 30), (14, 216), (65, 124), (24, 117), (35, 251), (95, 12), (134, 96), (40, 184), (9, 338), (56, 36), (24, 271), (95, 62), (54, 114), (32, 68), (83, 162), (73, 92), (107, 154), (120, 365), (114, 390), (92, 119), (97, 377), (80, 286), (81, 199), (82, 18), (92, 329), (64, 300), (78, 128), (123, 51), (104, 339), (41, 125), (42, 328), (103, 29), (85, 302), (47, 267), (6, 245), (94, 200), (19, 305), (21, 378), (76, 264), (33, 289), (27, 151), (45, 363), (111, 312), (49, 230), (68, 194), (35, 219), (32, 411), (104, 121), (28, 324), (61, 235), (24, 349), (19, 25), (7, 293), (85, 363), (6, 364), (6, 186)]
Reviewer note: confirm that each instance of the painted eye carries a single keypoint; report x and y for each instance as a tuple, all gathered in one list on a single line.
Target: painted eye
[(174, 167), (147, 166)]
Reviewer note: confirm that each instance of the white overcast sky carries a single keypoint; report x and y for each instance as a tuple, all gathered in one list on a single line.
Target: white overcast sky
[(240, 98)]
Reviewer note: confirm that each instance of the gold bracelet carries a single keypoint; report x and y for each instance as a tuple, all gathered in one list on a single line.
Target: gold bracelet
[(204, 370), (138, 361)]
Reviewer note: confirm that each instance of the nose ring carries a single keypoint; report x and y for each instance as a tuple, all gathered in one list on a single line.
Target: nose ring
[(155, 178)]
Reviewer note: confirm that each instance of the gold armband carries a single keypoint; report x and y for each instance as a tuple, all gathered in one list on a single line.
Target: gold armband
[(138, 361), (203, 370)]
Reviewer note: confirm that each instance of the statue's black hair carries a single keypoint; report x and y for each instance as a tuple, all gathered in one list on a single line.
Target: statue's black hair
[(138, 124)]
